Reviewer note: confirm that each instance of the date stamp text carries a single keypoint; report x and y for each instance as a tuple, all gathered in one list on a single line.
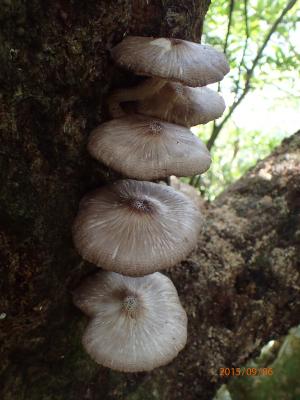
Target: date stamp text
[(225, 372)]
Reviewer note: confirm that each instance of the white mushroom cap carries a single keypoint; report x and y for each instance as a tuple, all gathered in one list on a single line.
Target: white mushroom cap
[(183, 105), (137, 323), (177, 60), (136, 228), (145, 148)]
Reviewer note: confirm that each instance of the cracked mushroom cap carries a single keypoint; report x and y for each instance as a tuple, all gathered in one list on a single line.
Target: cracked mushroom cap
[(183, 105), (136, 228), (176, 60), (145, 148), (137, 324)]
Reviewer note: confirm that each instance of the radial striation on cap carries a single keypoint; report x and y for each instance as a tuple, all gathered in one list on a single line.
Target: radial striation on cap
[(183, 105), (177, 60), (136, 228), (137, 323), (145, 148)]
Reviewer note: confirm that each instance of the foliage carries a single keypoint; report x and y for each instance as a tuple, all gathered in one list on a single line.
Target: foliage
[(260, 40), (234, 153), (277, 374)]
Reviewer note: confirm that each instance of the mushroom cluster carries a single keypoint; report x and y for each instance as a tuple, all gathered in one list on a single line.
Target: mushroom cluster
[(133, 227)]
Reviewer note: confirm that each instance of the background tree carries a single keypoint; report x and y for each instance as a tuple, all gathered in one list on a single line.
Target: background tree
[(260, 40)]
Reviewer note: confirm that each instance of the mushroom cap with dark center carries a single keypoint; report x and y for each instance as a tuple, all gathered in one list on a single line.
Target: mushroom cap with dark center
[(137, 324), (183, 105), (176, 60), (136, 228), (140, 147)]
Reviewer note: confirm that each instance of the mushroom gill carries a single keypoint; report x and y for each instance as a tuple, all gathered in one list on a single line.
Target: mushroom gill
[(164, 60), (137, 324), (177, 60), (144, 148), (182, 105), (136, 228)]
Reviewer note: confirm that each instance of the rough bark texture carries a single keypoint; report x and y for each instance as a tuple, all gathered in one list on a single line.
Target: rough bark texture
[(55, 72), (239, 287)]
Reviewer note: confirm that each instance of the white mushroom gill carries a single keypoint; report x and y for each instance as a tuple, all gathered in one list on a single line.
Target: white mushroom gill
[(136, 228), (172, 59), (182, 105), (145, 148), (165, 44), (137, 323), (163, 60)]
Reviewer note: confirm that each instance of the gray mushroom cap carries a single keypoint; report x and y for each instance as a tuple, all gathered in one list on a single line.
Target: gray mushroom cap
[(145, 148), (137, 324), (176, 60), (136, 228), (183, 105)]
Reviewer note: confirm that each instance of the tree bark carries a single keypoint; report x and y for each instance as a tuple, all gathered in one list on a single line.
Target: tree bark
[(239, 286), (55, 73)]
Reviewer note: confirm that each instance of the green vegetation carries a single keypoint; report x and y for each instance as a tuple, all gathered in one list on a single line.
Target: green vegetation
[(261, 40), (273, 375)]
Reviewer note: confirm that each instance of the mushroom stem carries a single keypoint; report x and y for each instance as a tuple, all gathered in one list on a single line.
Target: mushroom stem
[(140, 92)]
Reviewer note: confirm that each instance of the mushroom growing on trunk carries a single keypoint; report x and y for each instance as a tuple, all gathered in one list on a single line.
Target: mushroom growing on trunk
[(145, 148), (136, 228), (137, 324), (182, 105), (163, 60)]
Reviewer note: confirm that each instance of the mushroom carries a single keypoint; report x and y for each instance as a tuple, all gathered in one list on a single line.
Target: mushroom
[(145, 148), (164, 60), (136, 228), (183, 105), (172, 59), (137, 324)]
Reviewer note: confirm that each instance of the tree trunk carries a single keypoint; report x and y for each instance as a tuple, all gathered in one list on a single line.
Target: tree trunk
[(56, 72), (239, 286)]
